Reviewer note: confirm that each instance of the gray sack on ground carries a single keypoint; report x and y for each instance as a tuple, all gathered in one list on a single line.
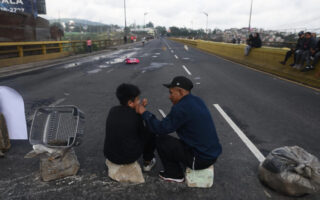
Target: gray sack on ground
[(291, 171)]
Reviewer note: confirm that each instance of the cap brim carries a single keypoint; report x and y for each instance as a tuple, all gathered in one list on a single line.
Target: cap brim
[(167, 85)]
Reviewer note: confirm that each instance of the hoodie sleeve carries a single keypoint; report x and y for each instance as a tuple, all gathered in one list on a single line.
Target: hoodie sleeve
[(175, 119)]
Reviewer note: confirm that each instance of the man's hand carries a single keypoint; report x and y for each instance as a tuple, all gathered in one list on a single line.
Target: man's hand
[(140, 109), (144, 102)]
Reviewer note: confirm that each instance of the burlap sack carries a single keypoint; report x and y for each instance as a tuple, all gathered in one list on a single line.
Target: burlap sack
[(4, 136)]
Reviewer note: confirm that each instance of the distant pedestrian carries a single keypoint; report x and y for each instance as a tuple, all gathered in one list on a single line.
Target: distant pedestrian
[(125, 39), (295, 50), (253, 42), (238, 40), (305, 52), (234, 40), (314, 58), (89, 45), (132, 39)]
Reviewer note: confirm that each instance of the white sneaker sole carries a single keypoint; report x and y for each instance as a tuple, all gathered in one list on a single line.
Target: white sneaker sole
[(171, 179)]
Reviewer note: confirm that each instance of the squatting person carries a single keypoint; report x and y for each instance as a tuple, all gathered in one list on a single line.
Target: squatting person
[(198, 145)]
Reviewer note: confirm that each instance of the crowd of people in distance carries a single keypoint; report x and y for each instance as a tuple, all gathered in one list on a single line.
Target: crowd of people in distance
[(306, 51)]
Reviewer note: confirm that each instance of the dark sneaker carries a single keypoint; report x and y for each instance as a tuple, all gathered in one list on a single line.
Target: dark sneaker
[(291, 65), (282, 62), (148, 165), (164, 176)]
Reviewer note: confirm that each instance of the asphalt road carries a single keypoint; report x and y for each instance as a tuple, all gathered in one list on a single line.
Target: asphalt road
[(270, 111)]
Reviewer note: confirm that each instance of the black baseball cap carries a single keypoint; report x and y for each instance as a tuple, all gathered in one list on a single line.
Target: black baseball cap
[(181, 82)]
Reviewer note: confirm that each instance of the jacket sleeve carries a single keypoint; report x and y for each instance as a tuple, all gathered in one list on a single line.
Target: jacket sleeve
[(175, 119)]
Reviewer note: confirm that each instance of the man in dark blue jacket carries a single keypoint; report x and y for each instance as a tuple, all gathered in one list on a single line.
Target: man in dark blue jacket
[(198, 146)]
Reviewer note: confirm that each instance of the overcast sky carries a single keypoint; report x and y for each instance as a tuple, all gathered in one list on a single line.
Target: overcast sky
[(268, 14)]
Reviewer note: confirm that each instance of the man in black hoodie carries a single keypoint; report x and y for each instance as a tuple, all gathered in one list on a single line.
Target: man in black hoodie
[(127, 138), (253, 42)]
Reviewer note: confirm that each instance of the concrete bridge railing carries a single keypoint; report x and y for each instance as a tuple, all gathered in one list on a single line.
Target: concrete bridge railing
[(265, 59)]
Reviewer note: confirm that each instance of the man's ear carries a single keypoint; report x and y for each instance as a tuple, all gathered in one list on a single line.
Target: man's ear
[(130, 103)]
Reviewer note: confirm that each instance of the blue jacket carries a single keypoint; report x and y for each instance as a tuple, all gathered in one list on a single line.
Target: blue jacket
[(192, 121)]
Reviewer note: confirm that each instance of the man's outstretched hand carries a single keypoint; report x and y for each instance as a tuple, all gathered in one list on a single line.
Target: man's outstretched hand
[(140, 108)]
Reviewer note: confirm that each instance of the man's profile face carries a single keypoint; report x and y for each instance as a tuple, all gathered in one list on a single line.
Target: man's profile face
[(175, 95)]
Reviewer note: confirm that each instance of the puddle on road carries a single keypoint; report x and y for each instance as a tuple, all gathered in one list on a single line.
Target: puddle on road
[(145, 55), (154, 66), (71, 65), (154, 56), (104, 66), (157, 53), (121, 58), (94, 71)]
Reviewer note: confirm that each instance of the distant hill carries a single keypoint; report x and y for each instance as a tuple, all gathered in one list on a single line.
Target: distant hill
[(77, 21)]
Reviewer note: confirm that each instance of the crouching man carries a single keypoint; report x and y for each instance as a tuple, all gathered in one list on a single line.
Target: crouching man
[(198, 146), (126, 137)]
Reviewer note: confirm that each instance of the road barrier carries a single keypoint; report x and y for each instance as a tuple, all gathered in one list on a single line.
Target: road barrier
[(264, 59), (14, 53)]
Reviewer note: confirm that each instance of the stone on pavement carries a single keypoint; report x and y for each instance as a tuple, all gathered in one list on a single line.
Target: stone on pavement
[(125, 173), (67, 165), (200, 178)]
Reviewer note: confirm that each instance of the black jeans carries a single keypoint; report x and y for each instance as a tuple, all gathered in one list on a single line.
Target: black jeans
[(174, 152), (149, 146)]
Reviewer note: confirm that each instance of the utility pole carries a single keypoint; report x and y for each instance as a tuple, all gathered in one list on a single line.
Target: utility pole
[(250, 17)]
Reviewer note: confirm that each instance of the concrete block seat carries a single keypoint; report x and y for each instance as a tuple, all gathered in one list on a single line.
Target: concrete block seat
[(200, 178), (125, 173)]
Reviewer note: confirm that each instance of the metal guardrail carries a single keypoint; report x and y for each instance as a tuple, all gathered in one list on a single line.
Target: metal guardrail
[(23, 49)]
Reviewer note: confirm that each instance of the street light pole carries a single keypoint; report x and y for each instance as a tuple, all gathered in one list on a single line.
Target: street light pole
[(144, 20), (250, 16), (125, 19), (206, 14)]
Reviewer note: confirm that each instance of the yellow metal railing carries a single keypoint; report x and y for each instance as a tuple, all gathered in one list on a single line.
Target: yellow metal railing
[(24, 49)]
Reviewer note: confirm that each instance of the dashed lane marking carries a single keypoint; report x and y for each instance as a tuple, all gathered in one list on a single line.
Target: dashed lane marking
[(242, 136), (162, 113), (186, 69), (176, 56)]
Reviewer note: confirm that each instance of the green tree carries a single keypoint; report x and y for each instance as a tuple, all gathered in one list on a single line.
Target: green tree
[(149, 25)]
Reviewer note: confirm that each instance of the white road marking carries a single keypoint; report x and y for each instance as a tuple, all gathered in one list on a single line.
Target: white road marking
[(242, 136), (186, 48), (185, 68), (162, 113), (197, 83), (172, 51), (176, 56), (30, 118)]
